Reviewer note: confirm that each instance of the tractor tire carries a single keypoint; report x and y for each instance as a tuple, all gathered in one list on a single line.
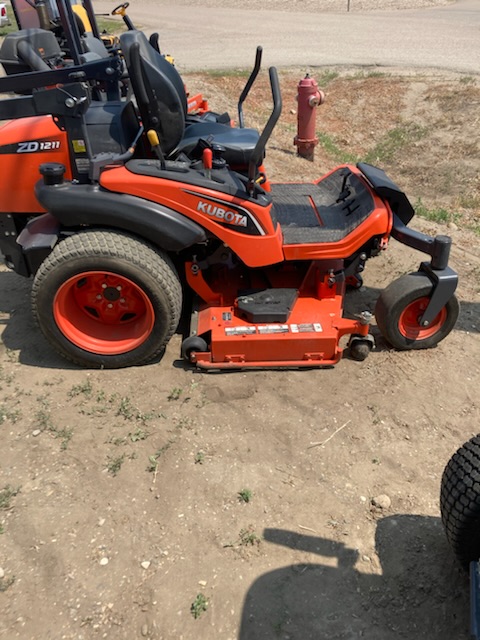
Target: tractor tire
[(104, 299), (460, 502), (399, 308)]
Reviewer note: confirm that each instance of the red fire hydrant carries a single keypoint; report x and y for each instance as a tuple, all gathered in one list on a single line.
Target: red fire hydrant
[(309, 96)]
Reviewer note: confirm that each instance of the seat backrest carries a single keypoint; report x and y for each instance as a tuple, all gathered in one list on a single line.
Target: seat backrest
[(158, 88)]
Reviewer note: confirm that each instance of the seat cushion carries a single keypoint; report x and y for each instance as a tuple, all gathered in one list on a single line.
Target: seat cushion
[(238, 143)]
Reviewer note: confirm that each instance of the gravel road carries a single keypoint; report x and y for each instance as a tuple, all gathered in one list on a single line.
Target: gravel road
[(205, 35)]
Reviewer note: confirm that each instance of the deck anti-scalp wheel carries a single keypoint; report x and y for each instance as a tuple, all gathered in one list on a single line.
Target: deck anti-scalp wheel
[(400, 307), (460, 501), (105, 299)]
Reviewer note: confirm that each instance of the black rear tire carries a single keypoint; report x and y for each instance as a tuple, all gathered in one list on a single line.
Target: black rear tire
[(460, 501), (105, 299)]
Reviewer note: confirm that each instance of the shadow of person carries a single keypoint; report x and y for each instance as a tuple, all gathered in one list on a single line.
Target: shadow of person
[(420, 593)]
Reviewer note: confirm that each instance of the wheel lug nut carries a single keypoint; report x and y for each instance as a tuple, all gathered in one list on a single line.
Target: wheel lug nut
[(99, 296), (104, 286), (119, 288), (109, 305), (122, 300)]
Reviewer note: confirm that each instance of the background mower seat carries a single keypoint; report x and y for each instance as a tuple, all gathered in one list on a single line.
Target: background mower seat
[(162, 102), (30, 50)]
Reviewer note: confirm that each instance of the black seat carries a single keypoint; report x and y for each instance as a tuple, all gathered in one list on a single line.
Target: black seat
[(30, 50), (162, 103)]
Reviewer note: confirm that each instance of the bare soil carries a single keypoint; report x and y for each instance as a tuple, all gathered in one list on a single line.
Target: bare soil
[(127, 483)]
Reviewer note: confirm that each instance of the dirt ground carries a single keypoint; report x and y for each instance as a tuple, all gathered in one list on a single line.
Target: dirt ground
[(158, 502)]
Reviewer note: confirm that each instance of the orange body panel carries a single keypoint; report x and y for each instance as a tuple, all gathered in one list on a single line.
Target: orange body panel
[(25, 145), (254, 250)]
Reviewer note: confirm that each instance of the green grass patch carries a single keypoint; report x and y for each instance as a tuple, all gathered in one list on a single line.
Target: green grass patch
[(385, 150), (339, 155), (437, 214), (394, 141)]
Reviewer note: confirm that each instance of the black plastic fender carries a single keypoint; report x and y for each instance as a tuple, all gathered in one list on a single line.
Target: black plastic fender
[(76, 205)]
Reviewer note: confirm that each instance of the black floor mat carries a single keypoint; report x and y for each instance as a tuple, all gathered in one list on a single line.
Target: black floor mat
[(324, 212)]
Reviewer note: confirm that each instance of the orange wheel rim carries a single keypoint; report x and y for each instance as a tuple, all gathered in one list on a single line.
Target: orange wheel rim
[(103, 312), (410, 326)]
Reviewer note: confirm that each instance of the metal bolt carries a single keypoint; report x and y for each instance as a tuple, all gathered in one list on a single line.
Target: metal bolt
[(99, 296), (109, 305), (365, 317), (104, 286), (119, 288)]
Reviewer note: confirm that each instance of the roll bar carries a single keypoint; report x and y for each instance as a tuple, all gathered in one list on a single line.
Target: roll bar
[(259, 151), (248, 86)]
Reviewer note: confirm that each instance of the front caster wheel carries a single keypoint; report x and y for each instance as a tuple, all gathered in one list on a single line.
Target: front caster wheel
[(460, 501), (400, 307), (105, 299), (191, 345), (359, 347)]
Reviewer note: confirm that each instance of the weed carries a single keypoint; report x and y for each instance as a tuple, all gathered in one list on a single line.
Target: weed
[(184, 423), (467, 80), (2, 530), (152, 464), (8, 378), (199, 457), (175, 394), (64, 434), (245, 495), (42, 416), (9, 414), (5, 583), (115, 464), (126, 409), (248, 538), (137, 435), (153, 460), (199, 605), (12, 355), (84, 388), (43, 419), (6, 495)]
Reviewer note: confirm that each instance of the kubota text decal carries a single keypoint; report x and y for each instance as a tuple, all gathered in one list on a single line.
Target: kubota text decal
[(229, 214)]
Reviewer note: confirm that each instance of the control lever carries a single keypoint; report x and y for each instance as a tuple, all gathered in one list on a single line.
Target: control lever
[(156, 148), (207, 159)]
